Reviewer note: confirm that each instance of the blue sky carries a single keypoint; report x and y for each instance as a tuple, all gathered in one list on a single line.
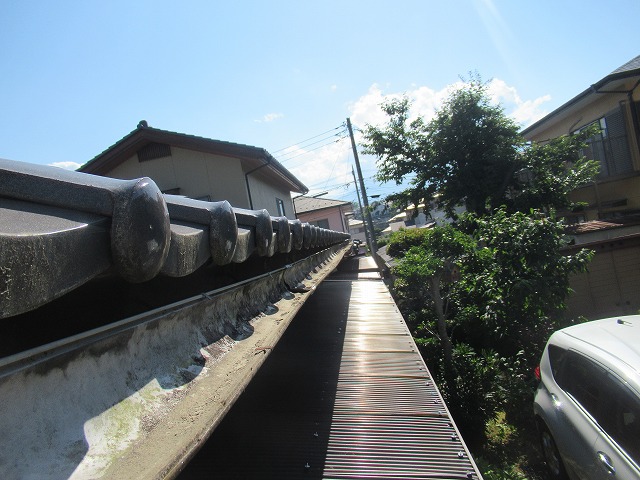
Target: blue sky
[(78, 76)]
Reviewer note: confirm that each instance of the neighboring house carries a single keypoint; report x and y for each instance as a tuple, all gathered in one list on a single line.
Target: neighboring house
[(409, 219), (324, 213), (614, 104), (609, 223), (356, 230), (201, 168)]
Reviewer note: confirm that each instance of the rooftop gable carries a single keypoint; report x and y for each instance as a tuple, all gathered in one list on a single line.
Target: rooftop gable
[(253, 157)]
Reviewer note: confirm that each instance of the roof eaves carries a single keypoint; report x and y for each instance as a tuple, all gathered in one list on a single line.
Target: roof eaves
[(629, 69), (126, 146)]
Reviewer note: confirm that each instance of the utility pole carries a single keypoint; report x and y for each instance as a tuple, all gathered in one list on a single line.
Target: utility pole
[(366, 214), (364, 222)]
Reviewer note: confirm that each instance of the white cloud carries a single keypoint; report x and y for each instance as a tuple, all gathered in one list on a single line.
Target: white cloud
[(525, 112), (324, 169), (66, 165), (270, 117), (425, 101)]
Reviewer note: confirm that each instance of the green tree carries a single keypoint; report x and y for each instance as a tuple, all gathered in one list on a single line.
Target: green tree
[(513, 279), (472, 154), (549, 172), (425, 267)]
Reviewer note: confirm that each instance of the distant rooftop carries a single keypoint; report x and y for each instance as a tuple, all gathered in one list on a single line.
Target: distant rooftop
[(311, 204)]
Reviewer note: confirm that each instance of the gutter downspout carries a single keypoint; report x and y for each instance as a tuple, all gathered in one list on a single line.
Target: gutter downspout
[(246, 179)]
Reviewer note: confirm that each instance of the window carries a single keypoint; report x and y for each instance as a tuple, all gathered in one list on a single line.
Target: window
[(610, 146), (583, 380), (621, 417), (324, 223), (280, 205), (607, 399), (556, 359)]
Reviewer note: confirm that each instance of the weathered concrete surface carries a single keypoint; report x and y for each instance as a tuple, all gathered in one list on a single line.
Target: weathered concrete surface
[(135, 399)]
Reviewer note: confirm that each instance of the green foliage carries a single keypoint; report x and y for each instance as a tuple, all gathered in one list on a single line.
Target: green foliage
[(401, 241), (499, 472), (423, 254), (472, 154), (441, 242), (475, 394), (525, 281), (509, 452), (551, 171), (509, 298)]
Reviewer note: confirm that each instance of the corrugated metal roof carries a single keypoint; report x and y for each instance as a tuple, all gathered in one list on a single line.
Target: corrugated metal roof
[(345, 395)]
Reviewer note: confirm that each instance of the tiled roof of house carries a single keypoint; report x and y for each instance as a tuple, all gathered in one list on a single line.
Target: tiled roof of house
[(631, 65), (599, 225), (310, 204), (59, 229)]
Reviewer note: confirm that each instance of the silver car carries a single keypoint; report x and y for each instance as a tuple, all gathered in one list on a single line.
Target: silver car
[(587, 405)]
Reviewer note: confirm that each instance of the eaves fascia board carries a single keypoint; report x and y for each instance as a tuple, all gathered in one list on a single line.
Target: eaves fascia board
[(563, 109), (278, 168)]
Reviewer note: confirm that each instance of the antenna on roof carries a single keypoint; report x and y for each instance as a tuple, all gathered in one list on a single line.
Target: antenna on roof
[(142, 123)]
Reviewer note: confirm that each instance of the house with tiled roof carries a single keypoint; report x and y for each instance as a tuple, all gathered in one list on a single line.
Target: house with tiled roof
[(608, 222), (201, 168), (323, 212)]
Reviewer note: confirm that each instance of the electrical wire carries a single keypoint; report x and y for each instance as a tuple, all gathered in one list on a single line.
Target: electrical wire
[(309, 151), (311, 138), (281, 159)]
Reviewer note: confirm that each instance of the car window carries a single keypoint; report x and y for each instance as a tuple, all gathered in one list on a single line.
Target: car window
[(556, 358), (607, 399), (621, 418), (583, 379)]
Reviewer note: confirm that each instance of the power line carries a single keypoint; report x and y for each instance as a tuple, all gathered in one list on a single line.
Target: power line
[(305, 152), (311, 138)]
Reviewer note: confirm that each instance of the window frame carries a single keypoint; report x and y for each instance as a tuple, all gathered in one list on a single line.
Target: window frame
[(610, 147)]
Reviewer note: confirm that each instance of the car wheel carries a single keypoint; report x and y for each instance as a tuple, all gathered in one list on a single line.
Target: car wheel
[(552, 455)]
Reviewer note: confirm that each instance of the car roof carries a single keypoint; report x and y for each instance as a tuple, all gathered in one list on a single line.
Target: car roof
[(613, 342)]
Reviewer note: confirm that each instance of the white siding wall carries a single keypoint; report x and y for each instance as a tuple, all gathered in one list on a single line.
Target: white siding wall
[(264, 194), (196, 174)]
